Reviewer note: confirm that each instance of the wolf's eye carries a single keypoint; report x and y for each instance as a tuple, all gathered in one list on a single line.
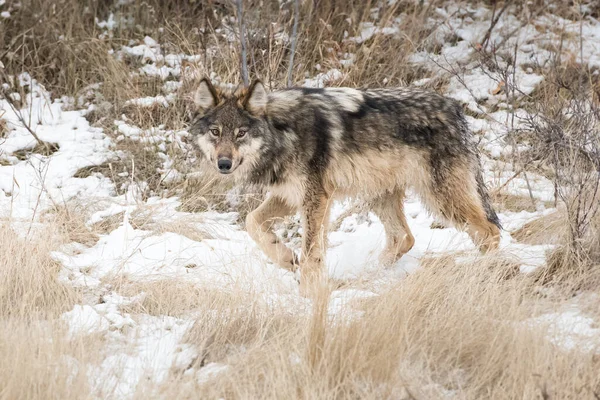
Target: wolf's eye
[(241, 133), (215, 132)]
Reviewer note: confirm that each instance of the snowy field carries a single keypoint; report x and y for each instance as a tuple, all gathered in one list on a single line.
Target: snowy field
[(140, 347)]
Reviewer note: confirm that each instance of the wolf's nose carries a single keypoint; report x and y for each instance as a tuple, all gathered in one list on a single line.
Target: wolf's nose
[(224, 164)]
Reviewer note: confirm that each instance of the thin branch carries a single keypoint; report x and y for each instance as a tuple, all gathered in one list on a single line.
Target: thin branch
[(269, 51), (529, 190), (495, 20), (17, 112), (294, 40), (509, 180), (240, 17), (356, 208)]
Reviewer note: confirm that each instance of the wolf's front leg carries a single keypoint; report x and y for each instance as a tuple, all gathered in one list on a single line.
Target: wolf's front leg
[(259, 223), (314, 242)]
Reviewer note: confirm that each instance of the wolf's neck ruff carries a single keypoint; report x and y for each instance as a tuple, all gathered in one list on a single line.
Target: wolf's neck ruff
[(271, 167)]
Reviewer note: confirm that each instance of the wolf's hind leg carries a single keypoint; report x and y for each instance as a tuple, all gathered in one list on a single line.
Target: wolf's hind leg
[(390, 210), (259, 225), (461, 199)]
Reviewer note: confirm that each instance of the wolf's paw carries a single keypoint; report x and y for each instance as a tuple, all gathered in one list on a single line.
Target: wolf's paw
[(389, 258), (290, 263)]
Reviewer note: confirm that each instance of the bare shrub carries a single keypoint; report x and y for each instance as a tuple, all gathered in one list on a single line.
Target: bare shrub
[(566, 140)]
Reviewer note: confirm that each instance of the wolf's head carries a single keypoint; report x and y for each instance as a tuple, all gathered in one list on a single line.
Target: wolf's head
[(229, 127)]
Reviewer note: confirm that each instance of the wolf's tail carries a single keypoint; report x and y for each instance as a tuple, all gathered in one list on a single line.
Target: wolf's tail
[(485, 199)]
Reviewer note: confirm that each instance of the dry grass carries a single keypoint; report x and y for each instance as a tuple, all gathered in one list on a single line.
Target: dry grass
[(506, 201), (28, 286), (165, 296), (71, 221), (448, 328), (550, 229), (37, 361), (3, 127), (64, 51)]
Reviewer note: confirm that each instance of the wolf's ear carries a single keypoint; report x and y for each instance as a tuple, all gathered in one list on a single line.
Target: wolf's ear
[(256, 99), (205, 96)]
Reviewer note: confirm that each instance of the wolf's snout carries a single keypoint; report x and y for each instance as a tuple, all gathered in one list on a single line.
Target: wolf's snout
[(224, 165)]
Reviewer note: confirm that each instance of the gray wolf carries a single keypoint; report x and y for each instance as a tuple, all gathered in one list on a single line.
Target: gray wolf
[(310, 146)]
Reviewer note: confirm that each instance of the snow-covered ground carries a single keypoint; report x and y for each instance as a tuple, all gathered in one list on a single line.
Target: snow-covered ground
[(146, 347)]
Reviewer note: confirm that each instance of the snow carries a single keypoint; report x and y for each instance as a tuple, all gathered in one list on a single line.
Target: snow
[(585, 35), (161, 72), (138, 254), (321, 79), (113, 209), (155, 62), (33, 185), (368, 30), (109, 24), (149, 51), (153, 345), (171, 86), (85, 319), (570, 330), (149, 101), (477, 86), (210, 371)]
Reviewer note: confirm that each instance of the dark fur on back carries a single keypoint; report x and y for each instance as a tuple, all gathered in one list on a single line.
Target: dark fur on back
[(383, 120)]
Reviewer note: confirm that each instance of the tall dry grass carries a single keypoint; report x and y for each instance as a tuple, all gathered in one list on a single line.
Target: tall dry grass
[(60, 43), (28, 276), (449, 329), (37, 360)]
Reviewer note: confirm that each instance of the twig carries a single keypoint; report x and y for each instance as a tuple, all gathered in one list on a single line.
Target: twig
[(294, 40), (529, 190), (357, 207), (495, 20), (39, 197), (17, 112), (533, 15), (509, 180), (269, 51), (240, 16)]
